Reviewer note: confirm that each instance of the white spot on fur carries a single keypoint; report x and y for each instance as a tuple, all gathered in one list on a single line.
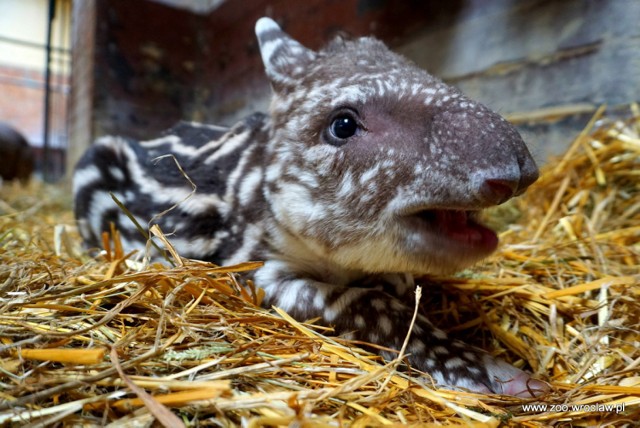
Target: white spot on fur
[(85, 177), (385, 324), (470, 356), (249, 185), (439, 334), (290, 299), (454, 363), (117, 174), (441, 350), (346, 186), (369, 174), (251, 238)]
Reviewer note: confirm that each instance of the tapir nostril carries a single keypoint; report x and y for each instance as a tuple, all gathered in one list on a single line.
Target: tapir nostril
[(497, 190)]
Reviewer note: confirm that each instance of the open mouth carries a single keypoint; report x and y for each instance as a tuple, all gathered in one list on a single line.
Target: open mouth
[(458, 226)]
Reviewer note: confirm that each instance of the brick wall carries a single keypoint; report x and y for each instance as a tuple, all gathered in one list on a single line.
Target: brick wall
[(22, 106), (27, 87)]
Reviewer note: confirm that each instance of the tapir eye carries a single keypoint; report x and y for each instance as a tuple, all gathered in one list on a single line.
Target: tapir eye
[(344, 125)]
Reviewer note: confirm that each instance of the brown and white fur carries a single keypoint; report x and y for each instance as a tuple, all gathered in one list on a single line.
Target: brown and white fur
[(367, 172)]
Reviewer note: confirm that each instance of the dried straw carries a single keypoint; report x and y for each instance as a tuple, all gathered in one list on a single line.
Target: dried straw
[(108, 341)]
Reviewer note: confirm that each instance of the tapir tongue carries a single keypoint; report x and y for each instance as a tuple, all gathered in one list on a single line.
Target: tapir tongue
[(460, 226)]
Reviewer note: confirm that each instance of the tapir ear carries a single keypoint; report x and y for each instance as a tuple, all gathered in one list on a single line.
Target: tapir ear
[(285, 60)]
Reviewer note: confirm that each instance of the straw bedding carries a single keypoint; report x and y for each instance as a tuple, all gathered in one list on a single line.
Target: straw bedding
[(110, 341)]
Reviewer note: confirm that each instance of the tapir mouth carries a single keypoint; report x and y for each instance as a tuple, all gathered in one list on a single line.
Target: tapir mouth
[(461, 227)]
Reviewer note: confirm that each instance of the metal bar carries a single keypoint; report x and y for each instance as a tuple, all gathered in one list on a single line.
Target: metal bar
[(46, 164)]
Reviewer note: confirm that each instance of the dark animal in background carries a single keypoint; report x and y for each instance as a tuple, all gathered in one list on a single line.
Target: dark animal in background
[(16, 155), (366, 172)]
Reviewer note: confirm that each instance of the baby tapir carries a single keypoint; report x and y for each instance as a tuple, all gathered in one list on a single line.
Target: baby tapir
[(367, 172)]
